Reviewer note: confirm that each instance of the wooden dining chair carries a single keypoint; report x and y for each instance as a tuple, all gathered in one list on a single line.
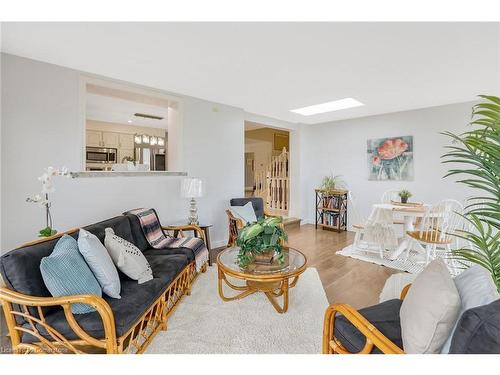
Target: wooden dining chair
[(437, 228)]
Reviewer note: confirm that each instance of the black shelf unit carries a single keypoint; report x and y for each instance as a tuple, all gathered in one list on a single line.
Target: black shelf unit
[(331, 210)]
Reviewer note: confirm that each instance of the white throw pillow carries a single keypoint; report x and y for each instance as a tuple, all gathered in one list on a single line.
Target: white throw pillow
[(127, 257), (429, 310), (245, 213), (476, 288), (99, 261)]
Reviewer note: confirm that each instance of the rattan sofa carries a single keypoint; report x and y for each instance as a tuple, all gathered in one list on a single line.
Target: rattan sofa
[(38, 322)]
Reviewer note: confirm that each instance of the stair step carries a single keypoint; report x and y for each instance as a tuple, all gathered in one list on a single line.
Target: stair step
[(291, 222)]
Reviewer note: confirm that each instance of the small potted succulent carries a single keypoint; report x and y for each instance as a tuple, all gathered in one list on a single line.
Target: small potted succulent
[(261, 239), (404, 195)]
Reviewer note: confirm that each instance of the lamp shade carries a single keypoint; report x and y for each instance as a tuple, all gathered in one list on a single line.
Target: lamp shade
[(192, 188)]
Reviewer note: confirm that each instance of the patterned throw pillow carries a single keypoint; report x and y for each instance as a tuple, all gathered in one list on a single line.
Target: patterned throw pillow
[(127, 257), (100, 263), (65, 273)]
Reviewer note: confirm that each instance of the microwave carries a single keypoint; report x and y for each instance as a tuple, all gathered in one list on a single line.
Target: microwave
[(101, 155)]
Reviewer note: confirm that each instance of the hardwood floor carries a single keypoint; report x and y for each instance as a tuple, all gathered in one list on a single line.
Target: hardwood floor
[(345, 280)]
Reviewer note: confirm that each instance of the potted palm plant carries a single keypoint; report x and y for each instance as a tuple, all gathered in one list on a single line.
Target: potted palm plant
[(478, 152)]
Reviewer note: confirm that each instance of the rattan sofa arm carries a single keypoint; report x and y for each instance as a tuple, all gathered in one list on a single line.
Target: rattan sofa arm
[(404, 291), (182, 228), (9, 297), (373, 336)]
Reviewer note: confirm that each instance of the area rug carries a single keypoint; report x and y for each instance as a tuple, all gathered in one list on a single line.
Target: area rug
[(414, 263), (203, 323)]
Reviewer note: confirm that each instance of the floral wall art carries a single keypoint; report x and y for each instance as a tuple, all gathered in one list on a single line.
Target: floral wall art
[(390, 158)]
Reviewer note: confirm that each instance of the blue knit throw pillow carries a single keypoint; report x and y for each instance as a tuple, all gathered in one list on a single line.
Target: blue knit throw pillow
[(65, 272)]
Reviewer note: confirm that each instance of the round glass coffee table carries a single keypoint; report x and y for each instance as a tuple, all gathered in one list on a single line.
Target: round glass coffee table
[(273, 279)]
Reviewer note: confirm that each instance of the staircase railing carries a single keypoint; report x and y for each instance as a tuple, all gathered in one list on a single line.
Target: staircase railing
[(273, 183)]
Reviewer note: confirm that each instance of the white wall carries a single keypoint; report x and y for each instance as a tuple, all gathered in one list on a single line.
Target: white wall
[(41, 126), (340, 148)]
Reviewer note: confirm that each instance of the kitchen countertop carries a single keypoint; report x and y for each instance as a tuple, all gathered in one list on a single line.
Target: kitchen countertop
[(94, 174)]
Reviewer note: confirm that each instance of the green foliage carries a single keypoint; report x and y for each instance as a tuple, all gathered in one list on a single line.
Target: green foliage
[(47, 232), (478, 152), (260, 237), (330, 182), (405, 194)]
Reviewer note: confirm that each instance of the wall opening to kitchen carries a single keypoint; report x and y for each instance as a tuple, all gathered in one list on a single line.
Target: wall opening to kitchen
[(129, 129)]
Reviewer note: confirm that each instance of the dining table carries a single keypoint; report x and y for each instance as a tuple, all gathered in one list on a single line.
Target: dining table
[(408, 213)]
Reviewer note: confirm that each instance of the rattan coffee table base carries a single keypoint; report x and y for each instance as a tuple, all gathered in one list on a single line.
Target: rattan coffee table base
[(274, 289)]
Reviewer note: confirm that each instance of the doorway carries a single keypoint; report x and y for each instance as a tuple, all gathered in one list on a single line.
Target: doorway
[(267, 166)]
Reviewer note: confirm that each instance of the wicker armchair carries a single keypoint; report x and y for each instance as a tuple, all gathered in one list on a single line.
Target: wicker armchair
[(355, 334), (235, 224)]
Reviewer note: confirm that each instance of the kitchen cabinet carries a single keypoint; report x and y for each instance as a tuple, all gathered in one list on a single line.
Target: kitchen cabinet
[(126, 141), (110, 139), (94, 138)]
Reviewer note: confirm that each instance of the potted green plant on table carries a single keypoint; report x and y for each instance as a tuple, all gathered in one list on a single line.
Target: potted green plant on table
[(405, 195), (478, 151), (262, 238)]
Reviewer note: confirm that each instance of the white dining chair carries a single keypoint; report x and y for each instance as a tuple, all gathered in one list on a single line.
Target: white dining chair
[(389, 196), (359, 228), (437, 228)]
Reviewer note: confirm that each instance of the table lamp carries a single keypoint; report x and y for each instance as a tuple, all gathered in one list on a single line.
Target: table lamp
[(192, 188)]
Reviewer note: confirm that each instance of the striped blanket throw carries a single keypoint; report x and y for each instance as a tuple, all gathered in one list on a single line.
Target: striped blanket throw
[(151, 227)]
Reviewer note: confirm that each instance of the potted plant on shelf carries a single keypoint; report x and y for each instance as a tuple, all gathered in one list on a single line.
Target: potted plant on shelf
[(43, 200), (329, 183), (261, 239), (478, 150), (405, 195)]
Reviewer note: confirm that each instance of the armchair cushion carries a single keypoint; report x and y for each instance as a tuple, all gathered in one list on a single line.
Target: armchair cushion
[(136, 299), (384, 316), (257, 203), (245, 213), (478, 331)]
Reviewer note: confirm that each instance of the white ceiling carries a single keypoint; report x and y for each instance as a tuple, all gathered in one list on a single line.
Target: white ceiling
[(120, 111), (270, 68)]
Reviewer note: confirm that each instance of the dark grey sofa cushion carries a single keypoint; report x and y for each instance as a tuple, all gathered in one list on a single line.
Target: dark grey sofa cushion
[(139, 239), (136, 299), (119, 224), (384, 316), (181, 250), (257, 203), (478, 331)]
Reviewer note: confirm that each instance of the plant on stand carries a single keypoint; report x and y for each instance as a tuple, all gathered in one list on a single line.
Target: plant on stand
[(478, 150), (262, 237), (43, 200), (329, 183)]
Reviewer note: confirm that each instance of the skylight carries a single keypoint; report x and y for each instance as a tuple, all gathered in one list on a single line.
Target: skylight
[(336, 105)]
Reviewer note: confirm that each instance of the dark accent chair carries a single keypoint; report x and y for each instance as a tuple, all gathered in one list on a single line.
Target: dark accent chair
[(235, 224), (38, 322), (377, 329)]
